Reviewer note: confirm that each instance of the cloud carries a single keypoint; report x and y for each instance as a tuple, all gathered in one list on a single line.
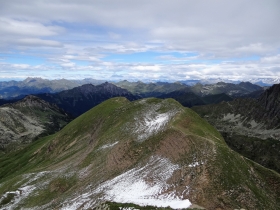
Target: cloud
[(275, 59), (146, 68), (13, 27), (38, 42), (81, 35)]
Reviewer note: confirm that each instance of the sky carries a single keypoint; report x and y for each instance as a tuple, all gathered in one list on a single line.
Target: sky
[(166, 40)]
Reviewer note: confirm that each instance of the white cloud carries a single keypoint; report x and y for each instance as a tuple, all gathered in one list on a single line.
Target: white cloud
[(13, 27), (275, 59), (146, 68), (69, 31), (38, 42)]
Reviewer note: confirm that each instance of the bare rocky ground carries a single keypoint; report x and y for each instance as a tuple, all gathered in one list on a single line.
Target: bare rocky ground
[(26, 120)]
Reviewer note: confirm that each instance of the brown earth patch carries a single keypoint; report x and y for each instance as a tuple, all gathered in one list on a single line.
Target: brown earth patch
[(173, 146), (122, 156)]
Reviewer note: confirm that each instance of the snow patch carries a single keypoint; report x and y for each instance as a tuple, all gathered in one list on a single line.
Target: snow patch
[(152, 119), (195, 164), (143, 186), (31, 182), (18, 196), (151, 125), (108, 145), (133, 187)]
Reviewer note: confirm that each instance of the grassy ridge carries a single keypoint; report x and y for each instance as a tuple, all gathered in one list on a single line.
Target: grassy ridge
[(222, 179)]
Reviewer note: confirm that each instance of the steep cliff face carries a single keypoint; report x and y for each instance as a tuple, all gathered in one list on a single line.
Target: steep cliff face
[(146, 152), (270, 102), (23, 121)]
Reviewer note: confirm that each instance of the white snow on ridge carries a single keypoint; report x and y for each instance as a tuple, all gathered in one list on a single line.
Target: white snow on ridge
[(108, 145), (132, 187), (150, 121), (142, 186), (151, 125)]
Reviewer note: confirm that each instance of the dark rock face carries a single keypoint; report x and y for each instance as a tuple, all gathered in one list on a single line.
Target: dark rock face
[(270, 102), (80, 99)]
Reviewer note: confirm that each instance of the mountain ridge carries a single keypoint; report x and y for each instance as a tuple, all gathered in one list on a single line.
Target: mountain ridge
[(80, 99), (155, 151)]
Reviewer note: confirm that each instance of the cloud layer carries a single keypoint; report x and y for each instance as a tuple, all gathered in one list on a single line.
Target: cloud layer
[(165, 40)]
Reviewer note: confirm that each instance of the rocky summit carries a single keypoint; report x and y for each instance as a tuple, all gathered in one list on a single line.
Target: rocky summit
[(127, 155)]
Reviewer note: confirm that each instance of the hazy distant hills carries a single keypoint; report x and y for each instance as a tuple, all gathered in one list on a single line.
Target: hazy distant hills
[(19, 89), (197, 94), (263, 82), (146, 152), (29, 86), (76, 99), (80, 99), (233, 90), (150, 89), (189, 99), (23, 121), (246, 123), (160, 88)]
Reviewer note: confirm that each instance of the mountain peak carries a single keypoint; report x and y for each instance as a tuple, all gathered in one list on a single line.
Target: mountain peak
[(33, 79), (80, 99), (31, 100)]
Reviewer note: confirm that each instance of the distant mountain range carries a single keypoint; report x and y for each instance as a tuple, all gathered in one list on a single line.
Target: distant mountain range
[(215, 93), (150, 89), (190, 99), (80, 99), (257, 81), (233, 90), (19, 89), (159, 88), (29, 86)]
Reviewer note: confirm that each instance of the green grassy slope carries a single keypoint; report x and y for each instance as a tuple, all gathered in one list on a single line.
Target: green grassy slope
[(107, 140)]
